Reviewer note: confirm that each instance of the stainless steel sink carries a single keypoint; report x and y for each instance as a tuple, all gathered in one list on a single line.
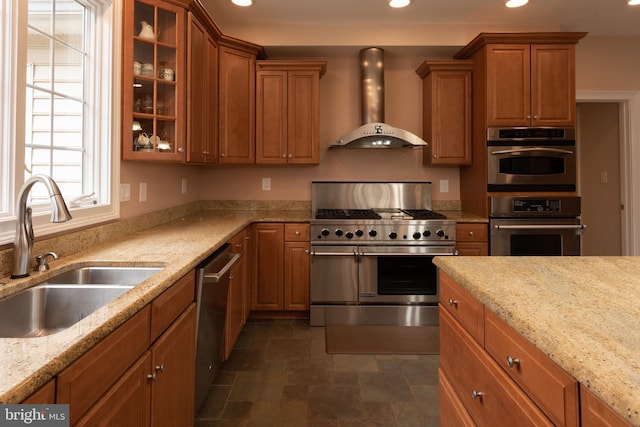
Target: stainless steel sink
[(104, 276), (65, 299)]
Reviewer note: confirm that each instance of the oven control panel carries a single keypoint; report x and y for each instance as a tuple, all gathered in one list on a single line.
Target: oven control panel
[(415, 232)]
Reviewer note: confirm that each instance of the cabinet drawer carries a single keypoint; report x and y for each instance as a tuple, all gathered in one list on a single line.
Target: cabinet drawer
[(463, 307), (488, 394), (452, 412), (84, 381), (555, 391), (296, 232), (472, 232), (168, 306)]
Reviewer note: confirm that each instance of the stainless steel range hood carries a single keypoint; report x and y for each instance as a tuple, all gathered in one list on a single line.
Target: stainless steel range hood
[(374, 133)]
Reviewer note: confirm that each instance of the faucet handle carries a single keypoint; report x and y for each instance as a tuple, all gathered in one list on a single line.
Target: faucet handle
[(41, 261)]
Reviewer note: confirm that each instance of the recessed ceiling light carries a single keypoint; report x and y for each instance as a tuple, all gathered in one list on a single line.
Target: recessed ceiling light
[(634, 2), (242, 2), (516, 3), (399, 3)]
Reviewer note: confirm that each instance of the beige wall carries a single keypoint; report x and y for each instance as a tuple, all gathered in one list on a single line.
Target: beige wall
[(601, 64)]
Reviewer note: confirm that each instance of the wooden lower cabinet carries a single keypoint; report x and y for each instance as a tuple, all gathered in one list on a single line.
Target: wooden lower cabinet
[(173, 363), (127, 403), (452, 412), (238, 289), (280, 267), (45, 394), (472, 239), (132, 379), (486, 392), (595, 413)]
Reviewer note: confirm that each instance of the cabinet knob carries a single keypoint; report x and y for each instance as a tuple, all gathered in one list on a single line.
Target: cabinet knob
[(453, 302), (435, 156), (180, 150), (160, 368), (298, 233), (477, 394), (222, 155), (284, 155), (511, 362), (152, 377), (528, 116), (290, 155), (471, 233)]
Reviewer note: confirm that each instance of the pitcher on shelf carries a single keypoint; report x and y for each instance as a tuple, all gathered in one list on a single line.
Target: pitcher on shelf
[(146, 31)]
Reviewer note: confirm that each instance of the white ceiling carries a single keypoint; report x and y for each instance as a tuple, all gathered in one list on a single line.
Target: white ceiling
[(326, 25)]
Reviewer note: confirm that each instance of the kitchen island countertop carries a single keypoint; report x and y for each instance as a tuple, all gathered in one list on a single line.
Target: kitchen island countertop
[(179, 246), (582, 312)]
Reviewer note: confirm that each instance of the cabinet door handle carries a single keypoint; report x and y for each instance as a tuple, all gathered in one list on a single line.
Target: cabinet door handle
[(453, 302), (152, 377), (511, 362), (477, 394)]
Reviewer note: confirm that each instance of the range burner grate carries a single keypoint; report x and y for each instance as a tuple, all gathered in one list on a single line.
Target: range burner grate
[(346, 214), (423, 214)]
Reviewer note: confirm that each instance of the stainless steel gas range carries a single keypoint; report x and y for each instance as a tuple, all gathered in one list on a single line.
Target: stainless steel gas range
[(372, 246)]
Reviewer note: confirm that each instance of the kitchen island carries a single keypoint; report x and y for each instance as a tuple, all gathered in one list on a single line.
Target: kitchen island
[(581, 312)]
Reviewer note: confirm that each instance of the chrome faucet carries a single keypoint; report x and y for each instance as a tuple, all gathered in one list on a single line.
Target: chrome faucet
[(23, 241)]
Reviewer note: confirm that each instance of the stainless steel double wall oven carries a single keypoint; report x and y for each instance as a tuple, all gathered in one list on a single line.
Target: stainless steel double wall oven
[(535, 169), (372, 246)]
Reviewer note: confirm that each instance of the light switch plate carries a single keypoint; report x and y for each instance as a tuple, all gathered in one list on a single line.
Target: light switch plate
[(143, 191), (125, 192)]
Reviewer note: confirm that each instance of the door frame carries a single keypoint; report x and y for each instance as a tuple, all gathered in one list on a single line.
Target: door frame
[(629, 160)]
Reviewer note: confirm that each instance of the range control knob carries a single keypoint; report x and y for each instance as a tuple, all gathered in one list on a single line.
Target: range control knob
[(426, 233), (393, 235), (417, 235), (359, 233), (325, 232), (339, 232), (440, 233), (373, 233), (349, 235)]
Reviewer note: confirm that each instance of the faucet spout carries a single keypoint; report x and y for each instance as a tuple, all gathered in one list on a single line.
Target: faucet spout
[(23, 241)]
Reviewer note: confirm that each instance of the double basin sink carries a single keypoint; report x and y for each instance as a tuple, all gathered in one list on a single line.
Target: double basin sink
[(65, 299)]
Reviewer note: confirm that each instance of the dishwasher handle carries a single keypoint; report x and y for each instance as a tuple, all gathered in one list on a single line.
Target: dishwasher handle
[(215, 277)]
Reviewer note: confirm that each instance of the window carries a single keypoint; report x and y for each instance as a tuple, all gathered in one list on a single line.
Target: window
[(57, 115)]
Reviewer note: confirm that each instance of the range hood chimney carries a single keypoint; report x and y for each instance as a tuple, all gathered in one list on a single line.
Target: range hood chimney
[(374, 133)]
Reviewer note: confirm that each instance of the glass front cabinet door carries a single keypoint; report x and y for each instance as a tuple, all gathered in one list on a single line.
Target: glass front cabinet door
[(153, 81)]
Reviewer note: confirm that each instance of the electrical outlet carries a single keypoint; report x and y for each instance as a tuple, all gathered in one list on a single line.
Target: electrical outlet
[(444, 185), (125, 192), (143, 191), (266, 184), (184, 185), (604, 178)]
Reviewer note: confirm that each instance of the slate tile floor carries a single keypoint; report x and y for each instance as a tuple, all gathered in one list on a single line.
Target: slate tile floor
[(279, 374)]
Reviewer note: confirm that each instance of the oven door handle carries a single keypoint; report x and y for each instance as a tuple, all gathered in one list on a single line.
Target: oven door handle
[(314, 253), (579, 228), (400, 253), (552, 150)]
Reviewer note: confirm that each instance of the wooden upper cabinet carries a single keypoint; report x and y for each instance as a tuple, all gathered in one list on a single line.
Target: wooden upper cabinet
[(236, 103), (529, 78), (202, 94), (447, 111), (287, 111), (531, 85), (154, 78)]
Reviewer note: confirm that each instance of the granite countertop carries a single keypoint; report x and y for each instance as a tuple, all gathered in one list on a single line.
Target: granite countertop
[(179, 246), (582, 312)]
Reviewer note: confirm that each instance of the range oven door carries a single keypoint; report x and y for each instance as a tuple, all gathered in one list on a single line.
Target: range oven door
[(535, 237), (334, 275), (399, 274)]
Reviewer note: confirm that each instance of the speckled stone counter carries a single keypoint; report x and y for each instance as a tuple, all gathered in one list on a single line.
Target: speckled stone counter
[(178, 246), (582, 312)]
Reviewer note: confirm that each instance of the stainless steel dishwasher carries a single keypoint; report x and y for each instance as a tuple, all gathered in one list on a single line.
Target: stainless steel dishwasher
[(212, 289)]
